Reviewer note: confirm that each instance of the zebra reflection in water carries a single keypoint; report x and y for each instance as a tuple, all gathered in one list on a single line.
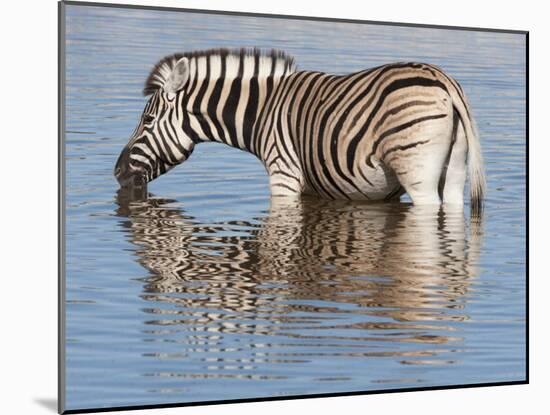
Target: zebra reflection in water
[(395, 266)]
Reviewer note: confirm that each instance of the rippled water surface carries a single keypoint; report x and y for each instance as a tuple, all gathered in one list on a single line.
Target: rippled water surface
[(209, 291)]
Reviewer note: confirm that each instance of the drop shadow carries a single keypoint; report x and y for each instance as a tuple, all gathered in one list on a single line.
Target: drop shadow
[(48, 403)]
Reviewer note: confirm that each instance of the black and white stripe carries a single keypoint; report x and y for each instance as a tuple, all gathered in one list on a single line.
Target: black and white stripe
[(369, 135)]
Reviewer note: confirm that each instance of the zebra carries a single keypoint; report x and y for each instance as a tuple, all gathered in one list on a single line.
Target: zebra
[(374, 135)]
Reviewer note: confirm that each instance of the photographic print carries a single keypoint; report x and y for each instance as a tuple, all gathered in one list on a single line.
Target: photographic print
[(270, 207)]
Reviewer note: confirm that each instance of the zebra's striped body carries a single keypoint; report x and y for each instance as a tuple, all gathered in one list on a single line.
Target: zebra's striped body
[(370, 135)]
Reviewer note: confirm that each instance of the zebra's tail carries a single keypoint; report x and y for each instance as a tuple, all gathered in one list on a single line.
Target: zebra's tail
[(475, 159)]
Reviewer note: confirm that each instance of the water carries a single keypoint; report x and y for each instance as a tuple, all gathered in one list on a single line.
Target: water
[(207, 291)]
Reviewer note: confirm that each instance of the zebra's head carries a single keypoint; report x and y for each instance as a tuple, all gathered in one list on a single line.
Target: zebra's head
[(159, 142)]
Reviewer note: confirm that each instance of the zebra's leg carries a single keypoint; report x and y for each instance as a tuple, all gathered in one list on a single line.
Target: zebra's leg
[(285, 184), (418, 158), (453, 177), (285, 179), (285, 174)]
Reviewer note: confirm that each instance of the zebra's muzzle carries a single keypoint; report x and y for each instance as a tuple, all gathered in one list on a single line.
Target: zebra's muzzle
[(125, 174), (134, 180)]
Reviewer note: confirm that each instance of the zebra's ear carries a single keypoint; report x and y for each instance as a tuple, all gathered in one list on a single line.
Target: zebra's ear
[(178, 78)]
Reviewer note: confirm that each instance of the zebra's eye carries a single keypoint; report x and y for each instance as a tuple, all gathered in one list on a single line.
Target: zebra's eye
[(148, 118)]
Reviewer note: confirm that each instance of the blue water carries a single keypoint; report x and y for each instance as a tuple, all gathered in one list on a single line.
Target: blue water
[(208, 291)]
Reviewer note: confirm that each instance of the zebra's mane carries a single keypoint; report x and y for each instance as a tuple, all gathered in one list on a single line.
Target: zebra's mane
[(272, 62)]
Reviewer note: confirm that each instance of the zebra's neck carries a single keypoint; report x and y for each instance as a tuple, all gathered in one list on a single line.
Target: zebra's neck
[(227, 92)]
